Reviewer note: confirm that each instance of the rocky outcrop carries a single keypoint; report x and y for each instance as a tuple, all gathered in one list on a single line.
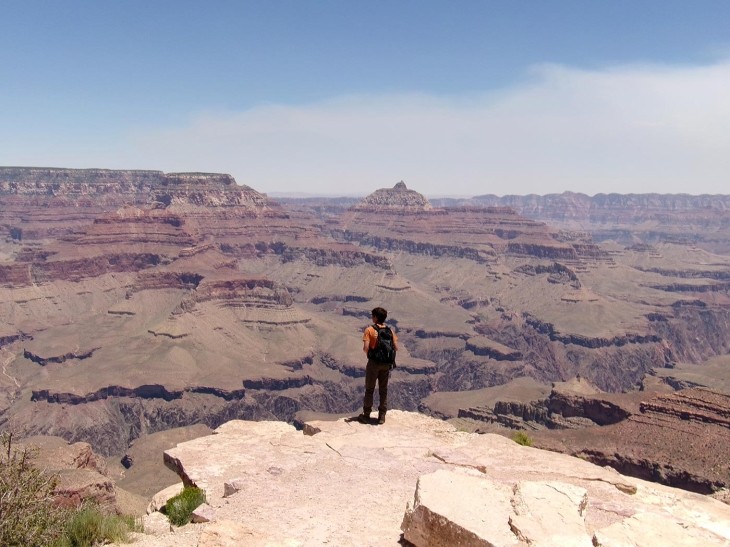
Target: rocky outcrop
[(570, 405), (510, 414), (18, 275), (719, 275), (342, 255), (699, 406), (391, 244), (694, 287), (417, 247), (43, 361), (557, 273), (477, 489), (679, 439), (399, 198), (483, 232), (588, 342), (38, 203), (108, 186), (600, 409), (694, 331), (15, 275), (256, 293), (82, 475), (54, 453), (141, 392), (481, 345), (167, 280)]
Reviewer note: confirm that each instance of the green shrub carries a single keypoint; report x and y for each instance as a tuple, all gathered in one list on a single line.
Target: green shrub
[(89, 526), (28, 515), (179, 509), (522, 438)]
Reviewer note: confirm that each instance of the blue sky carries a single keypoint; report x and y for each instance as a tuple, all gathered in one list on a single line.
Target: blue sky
[(337, 97)]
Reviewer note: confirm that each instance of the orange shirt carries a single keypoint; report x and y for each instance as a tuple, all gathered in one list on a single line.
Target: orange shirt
[(370, 336)]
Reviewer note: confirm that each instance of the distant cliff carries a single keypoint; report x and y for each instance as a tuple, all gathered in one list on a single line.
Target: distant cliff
[(570, 205), (650, 218), (51, 181)]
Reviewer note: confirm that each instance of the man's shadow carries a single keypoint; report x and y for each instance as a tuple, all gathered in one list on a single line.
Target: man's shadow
[(371, 421)]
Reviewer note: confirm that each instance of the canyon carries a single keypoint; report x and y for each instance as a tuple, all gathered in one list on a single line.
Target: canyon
[(134, 302)]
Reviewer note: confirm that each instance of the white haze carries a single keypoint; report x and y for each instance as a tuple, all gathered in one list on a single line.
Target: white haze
[(626, 129)]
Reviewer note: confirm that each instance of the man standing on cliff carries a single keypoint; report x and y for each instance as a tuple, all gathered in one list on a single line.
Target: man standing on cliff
[(379, 344)]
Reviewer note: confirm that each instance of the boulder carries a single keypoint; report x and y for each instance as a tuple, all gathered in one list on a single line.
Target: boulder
[(160, 499), (156, 524), (441, 515), (233, 486), (203, 513), (532, 513), (75, 486)]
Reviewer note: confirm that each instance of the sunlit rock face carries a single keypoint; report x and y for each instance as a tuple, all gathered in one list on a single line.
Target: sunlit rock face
[(426, 483)]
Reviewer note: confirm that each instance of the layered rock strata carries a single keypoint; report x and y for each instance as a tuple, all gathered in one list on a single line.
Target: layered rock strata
[(133, 302), (679, 439), (630, 218), (399, 219)]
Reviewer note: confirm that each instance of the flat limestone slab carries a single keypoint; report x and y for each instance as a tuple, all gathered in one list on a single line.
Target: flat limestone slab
[(349, 484)]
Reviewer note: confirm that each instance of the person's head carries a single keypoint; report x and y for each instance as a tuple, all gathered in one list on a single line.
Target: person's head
[(379, 315)]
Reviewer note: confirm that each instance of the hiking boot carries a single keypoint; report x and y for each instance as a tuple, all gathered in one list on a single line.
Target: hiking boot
[(364, 418), (381, 418)]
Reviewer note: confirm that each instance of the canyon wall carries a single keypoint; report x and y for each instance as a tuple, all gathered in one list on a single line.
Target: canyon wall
[(137, 301)]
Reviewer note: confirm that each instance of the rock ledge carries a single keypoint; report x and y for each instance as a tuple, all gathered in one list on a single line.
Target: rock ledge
[(345, 483)]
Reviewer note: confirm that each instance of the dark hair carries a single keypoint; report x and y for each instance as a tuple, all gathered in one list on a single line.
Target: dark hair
[(380, 314)]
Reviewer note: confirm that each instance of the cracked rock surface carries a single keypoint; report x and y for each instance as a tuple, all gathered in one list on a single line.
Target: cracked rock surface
[(345, 483)]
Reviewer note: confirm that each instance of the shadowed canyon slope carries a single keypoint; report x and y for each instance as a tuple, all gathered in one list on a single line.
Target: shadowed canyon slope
[(137, 301)]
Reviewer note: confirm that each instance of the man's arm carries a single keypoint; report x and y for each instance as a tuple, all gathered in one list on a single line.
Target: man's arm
[(366, 340)]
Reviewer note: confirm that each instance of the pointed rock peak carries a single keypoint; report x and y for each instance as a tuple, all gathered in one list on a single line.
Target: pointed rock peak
[(398, 198)]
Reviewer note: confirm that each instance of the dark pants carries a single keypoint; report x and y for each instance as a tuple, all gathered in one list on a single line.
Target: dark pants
[(376, 372)]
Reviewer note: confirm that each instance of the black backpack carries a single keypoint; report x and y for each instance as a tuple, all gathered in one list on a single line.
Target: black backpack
[(384, 351)]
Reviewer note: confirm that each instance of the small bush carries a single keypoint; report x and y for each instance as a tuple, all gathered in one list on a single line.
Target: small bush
[(28, 515), (89, 526), (179, 509), (522, 438)]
